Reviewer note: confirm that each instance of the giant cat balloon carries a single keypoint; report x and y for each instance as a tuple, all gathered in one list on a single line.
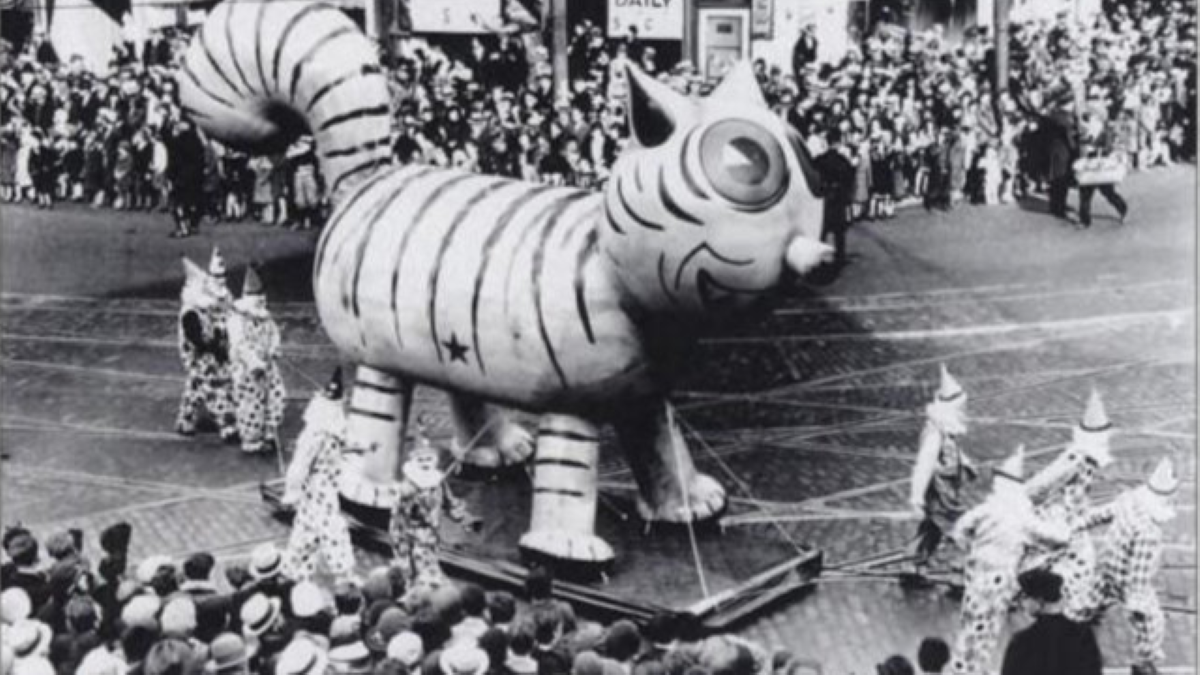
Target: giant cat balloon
[(564, 302)]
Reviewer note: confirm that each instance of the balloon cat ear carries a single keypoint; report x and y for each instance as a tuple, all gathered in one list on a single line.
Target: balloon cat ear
[(655, 110), (740, 84)]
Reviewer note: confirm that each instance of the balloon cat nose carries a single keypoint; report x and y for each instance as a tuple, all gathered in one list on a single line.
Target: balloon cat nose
[(803, 255)]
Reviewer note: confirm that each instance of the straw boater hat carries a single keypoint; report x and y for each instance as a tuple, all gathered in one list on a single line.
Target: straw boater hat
[(302, 657), (1013, 468), (28, 638), (463, 659), (265, 561), (259, 614), (422, 477), (1092, 434)]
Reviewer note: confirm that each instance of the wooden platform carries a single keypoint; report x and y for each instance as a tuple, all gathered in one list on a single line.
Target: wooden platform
[(745, 569)]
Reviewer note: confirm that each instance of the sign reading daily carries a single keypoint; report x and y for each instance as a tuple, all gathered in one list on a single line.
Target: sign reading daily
[(653, 19)]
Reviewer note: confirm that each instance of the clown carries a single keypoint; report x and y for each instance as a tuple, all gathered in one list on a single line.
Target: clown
[(1129, 560), (941, 470), (204, 349), (995, 535), (258, 386), (424, 495), (1061, 492), (312, 487)]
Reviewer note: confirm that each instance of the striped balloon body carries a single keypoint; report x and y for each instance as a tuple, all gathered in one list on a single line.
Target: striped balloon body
[(478, 284), (259, 74), (524, 294)]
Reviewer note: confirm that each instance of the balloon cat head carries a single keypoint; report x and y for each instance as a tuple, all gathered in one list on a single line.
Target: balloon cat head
[(716, 201)]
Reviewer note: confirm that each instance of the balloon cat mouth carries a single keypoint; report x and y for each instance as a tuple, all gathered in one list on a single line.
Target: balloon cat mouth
[(716, 295)]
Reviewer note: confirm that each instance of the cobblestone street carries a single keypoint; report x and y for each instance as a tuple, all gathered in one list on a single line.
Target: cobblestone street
[(809, 416)]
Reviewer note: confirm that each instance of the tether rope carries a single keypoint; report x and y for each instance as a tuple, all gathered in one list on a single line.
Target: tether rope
[(687, 504)]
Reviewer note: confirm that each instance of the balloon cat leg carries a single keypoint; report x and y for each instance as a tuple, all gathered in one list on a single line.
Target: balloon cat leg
[(563, 518), (376, 423), (485, 437), (671, 490)]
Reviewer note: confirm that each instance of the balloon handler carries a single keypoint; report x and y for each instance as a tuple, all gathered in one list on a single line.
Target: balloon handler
[(941, 472), (423, 496), (204, 350), (311, 486)]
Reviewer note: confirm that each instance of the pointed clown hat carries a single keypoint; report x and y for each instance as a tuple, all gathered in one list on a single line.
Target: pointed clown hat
[(1013, 468), (949, 389), (1095, 419), (251, 284), (191, 271), (216, 263), (1164, 481), (1091, 436), (335, 389)]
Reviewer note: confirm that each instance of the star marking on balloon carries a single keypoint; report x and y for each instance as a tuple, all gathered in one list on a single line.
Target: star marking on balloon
[(458, 351)]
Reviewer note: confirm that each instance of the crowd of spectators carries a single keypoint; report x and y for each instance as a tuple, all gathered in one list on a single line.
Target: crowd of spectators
[(916, 113), (67, 615)]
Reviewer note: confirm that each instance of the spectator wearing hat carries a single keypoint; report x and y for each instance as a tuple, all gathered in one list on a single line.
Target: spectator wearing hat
[(1053, 644), (266, 569), (932, 656), (264, 623), (136, 642), (350, 659), (406, 647), (29, 638), (895, 665), (14, 606), (837, 178), (26, 572), (310, 613), (463, 659), (229, 655), (142, 610), (302, 657), (68, 649), (172, 656)]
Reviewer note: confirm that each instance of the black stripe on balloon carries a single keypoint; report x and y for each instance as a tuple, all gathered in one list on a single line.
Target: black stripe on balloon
[(332, 226), (187, 71), (558, 491), (712, 252), (665, 195), (567, 434), (632, 214), (553, 221), (385, 417), (376, 111), (378, 213), (234, 54), (311, 53), (662, 278), (287, 31), (435, 271), (192, 112), (688, 179), (501, 225), (369, 69), (609, 212), (357, 169), (212, 62), (381, 192), (449, 181), (360, 384), (356, 148), (586, 253), (563, 462), (258, 29)]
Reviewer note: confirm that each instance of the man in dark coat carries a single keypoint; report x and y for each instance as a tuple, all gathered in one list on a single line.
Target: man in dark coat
[(1053, 644), (837, 177), (185, 171), (804, 52)]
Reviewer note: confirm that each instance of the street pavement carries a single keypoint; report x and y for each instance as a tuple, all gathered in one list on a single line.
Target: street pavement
[(809, 415)]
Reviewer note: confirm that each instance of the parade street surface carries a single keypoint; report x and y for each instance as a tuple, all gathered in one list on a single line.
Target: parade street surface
[(810, 416)]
